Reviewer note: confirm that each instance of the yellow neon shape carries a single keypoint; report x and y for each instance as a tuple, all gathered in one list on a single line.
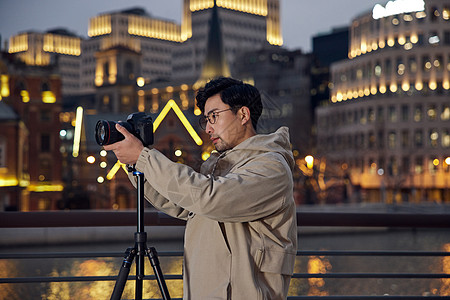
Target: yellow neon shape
[(171, 104), (77, 136), (116, 168)]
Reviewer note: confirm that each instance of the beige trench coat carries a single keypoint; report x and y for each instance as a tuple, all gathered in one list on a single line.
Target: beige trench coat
[(241, 232)]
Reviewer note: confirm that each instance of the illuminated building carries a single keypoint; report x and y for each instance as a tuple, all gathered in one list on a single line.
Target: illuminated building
[(30, 159), (387, 120), (167, 49), (57, 47)]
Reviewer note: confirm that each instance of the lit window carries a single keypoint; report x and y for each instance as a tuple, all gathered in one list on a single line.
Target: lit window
[(434, 136), (445, 140), (445, 115)]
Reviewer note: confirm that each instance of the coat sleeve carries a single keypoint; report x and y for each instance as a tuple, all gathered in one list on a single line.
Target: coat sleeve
[(159, 202), (257, 189)]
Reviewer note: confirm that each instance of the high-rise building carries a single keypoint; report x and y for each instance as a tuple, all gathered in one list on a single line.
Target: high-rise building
[(57, 47), (386, 124)]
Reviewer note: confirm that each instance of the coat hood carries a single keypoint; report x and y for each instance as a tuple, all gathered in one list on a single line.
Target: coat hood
[(274, 142)]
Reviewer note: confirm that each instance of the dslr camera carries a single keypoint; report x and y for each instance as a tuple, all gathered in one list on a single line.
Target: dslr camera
[(139, 124)]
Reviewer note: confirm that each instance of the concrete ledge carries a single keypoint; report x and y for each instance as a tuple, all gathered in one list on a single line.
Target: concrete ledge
[(73, 235)]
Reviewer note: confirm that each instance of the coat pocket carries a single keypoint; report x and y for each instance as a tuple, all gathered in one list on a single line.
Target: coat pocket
[(279, 262)]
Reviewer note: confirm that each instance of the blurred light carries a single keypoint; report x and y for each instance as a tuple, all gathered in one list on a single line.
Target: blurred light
[(447, 160), (380, 171), (397, 7), (100, 179), (140, 81), (434, 40), (178, 153), (103, 164), (90, 159), (77, 138), (309, 161), (103, 153), (63, 132), (205, 155), (436, 162)]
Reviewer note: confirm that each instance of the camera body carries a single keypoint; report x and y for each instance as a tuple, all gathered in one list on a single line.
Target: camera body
[(139, 124)]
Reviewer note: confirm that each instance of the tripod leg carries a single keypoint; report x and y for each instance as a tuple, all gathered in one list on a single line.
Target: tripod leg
[(154, 261), (123, 274)]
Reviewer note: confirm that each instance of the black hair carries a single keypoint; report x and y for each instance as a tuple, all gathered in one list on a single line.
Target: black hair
[(234, 93)]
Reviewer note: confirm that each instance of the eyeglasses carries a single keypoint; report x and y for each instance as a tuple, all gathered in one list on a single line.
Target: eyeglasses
[(211, 118)]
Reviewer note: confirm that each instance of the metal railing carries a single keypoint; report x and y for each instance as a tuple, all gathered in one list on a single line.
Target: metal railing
[(153, 218)]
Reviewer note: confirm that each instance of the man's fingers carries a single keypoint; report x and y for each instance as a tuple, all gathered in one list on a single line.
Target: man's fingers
[(122, 130)]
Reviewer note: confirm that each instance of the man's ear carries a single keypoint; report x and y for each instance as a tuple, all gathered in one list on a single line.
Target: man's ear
[(244, 114)]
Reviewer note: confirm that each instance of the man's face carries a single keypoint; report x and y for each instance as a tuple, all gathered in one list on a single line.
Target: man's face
[(227, 131)]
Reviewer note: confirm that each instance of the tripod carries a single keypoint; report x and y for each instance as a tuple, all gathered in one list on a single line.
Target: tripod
[(139, 251)]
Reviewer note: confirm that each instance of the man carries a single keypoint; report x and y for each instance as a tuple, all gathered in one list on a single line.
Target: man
[(241, 232)]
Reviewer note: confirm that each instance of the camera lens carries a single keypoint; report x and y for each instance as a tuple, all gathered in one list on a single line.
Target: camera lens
[(106, 133)]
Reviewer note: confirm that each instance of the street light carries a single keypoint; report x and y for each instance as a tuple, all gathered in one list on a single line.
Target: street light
[(309, 159)]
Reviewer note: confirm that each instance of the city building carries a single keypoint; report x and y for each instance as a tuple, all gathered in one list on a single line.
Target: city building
[(385, 129), (57, 47), (30, 171)]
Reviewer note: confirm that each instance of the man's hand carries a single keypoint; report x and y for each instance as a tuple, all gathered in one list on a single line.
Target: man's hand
[(127, 150)]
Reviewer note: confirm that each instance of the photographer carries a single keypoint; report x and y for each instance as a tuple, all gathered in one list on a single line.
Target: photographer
[(241, 231)]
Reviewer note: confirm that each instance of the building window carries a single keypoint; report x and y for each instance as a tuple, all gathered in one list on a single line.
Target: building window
[(445, 115), (445, 140), (372, 140), (2, 153), (418, 165), (431, 112), (392, 139), (418, 113), (418, 138), (405, 113), (371, 115), (45, 143), (405, 164), (46, 115), (405, 139), (412, 64), (434, 136), (380, 114), (426, 63), (392, 114)]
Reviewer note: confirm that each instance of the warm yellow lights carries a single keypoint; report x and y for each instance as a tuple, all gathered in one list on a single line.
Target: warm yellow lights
[(432, 85), (447, 160), (62, 44), (154, 28), (25, 96), (140, 81), (4, 86), (446, 84), (90, 159), (45, 188), (419, 85), (206, 155), (99, 25), (77, 136), (391, 42), (178, 153), (393, 87), (48, 97), (405, 86), (309, 159), (436, 162)]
